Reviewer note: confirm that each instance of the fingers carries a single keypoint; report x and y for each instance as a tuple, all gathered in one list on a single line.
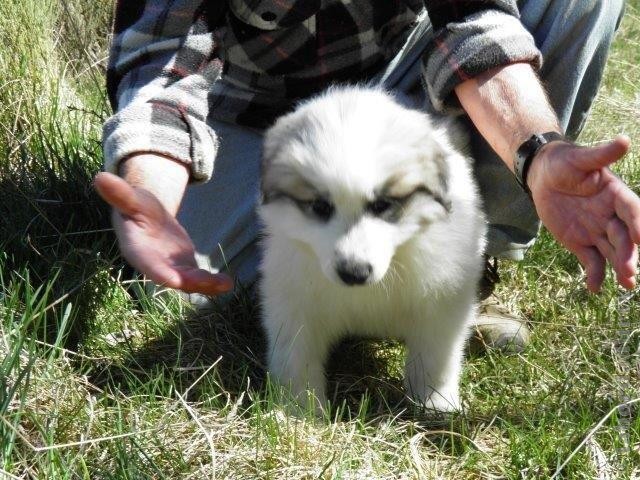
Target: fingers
[(625, 251), (204, 282), (627, 207), (600, 156), (624, 255), (117, 193), (616, 247), (185, 275), (593, 263), (189, 280)]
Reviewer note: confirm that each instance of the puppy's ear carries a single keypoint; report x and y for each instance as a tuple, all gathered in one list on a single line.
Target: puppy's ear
[(275, 140), (436, 175), (280, 175), (289, 129), (450, 145)]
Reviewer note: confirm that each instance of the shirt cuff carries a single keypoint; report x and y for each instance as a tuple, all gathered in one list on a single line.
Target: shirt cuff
[(158, 128), (461, 51)]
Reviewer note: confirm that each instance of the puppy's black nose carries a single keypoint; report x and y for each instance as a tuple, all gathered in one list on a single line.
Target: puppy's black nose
[(352, 272)]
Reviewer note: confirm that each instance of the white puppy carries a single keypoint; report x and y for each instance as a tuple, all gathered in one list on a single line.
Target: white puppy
[(373, 227)]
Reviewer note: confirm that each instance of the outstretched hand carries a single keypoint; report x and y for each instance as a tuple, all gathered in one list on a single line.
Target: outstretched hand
[(153, 241), (587, 208)]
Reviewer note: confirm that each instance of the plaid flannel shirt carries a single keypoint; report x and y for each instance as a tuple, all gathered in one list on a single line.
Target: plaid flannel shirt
[(176, 64)]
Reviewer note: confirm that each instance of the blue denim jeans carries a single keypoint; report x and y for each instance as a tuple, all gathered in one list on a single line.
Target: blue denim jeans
[(574, 37)]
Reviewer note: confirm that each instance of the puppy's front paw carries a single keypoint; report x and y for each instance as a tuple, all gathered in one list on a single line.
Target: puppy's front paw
[(441, 398), (442, 403), (302, 378), (444, 399)]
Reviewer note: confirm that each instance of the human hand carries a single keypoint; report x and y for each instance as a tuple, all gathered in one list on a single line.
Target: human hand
[(153, 241), (587, 208)]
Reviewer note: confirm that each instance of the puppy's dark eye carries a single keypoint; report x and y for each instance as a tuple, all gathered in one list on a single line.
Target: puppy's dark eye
[(322, 209), (380, 206)]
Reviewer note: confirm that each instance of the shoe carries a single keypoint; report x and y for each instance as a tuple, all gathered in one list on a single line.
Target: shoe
[(496, 328), (489, 279)]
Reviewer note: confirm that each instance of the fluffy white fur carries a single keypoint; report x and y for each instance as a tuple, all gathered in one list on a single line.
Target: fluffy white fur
[(408, 271)]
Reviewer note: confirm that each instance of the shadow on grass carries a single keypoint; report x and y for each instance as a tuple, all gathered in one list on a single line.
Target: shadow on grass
[(364, 375), (54, 228), (228, 336), (231, 336)]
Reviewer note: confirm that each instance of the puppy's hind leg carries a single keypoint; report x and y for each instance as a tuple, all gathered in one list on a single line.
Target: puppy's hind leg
[(435, 355)]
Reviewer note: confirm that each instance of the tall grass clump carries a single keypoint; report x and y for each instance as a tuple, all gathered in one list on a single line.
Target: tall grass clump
[(53, 106)]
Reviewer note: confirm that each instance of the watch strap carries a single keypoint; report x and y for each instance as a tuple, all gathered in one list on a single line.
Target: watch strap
[(527, 152)]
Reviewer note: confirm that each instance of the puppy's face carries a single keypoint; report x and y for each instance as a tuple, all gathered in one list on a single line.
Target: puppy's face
[(352, 176)]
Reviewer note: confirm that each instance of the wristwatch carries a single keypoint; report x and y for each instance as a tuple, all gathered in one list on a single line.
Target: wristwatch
[(527, 152)]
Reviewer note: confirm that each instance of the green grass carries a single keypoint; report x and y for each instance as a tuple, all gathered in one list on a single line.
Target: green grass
[(99, 379)]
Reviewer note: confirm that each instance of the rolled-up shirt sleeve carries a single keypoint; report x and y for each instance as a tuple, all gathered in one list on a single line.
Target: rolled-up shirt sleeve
[(163, 60), (472, 37)]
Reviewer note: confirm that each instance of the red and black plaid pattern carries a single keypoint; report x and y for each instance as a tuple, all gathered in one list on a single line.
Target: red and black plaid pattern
[(274, 15), (443, 12), (177, 64)]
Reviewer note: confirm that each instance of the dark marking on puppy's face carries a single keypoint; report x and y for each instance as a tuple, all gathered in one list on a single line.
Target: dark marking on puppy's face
[(428, 177), (280, 175), (283, 181), (280, 182)]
